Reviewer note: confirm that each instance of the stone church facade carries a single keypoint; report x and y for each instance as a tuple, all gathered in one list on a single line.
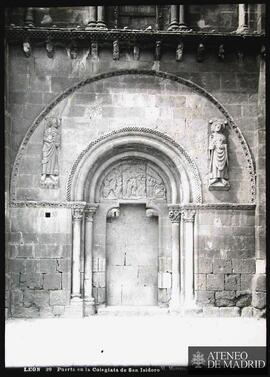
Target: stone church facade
[(135, 152)]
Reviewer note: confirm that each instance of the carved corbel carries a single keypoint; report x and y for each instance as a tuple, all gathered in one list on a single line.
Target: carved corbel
[(50, 49), (240, 57), (218, 156), (179, 51), (116, 50), (113, 213), (73, 50), (200, 53), (116, 16), (94, 50), (27, 48), (157, 50), (151, 212), (46, 19), (136, 52), (221, 52)]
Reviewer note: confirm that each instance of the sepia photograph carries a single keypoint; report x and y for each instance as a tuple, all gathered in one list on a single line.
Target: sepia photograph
[(135, 187)]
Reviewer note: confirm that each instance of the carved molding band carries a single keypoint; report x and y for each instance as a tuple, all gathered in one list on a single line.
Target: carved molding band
[(72, 205), (195, 87)]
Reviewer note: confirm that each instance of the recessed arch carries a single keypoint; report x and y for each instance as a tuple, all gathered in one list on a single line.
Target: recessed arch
[(174, 161), (243, 144)]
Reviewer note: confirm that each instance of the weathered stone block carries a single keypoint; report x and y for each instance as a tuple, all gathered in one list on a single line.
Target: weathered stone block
[(16, 265), (52, 281), (101, 295), (164, 280), (58, 310), (63, 265), (244, 265), (31, 265), (25, 251), (38, 298), (16, 297), (47, 265), (205, 265), (211, 311), (99, 279), (22, 312), (247, 311), (31, 280), (165, 264), (259, 282), (15, 237), (259, 300), (230, 312), (48, 251), (205, 297), (66, 280), (232, 282), (225, 298), (59, 297), (200, 282), (259, 313), (246, 281), (222, 266), (243, 298), (215, 282)]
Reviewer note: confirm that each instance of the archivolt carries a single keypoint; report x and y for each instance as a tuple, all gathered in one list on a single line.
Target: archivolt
[(195, 87)]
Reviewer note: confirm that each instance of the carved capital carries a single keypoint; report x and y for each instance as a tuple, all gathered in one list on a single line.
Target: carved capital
[(188, 215), (175, 215), (90, 213), (77, 214)]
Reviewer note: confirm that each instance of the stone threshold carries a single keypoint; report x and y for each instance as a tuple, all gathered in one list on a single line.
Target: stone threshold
[(132, 310)]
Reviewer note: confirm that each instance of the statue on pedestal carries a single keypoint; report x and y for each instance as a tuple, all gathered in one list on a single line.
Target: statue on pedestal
[(51, 144), (218, 156)]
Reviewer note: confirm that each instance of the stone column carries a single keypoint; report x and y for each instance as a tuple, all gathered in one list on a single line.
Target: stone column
[(29, 17), (89, 301), (101, 17), (242, 19), (77, 217), (182, 23), (174, 304), (188, 217), (92, 17), (174, 18)]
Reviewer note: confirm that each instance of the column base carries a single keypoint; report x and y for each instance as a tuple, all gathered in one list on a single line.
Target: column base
[(75, 310), (183, 27), (89, 307), (173, 27), (101, 25), (91, 25), (242, 30)]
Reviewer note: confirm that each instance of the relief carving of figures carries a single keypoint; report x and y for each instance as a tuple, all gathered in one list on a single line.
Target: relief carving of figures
[(218, 156), (133, 181), (50, 149)]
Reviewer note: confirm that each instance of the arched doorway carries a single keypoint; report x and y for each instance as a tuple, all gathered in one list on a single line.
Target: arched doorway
[(131, 185)]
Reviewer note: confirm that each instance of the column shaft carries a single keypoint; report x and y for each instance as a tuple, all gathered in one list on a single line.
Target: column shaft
[(101, 17), (77, 219), (89, 307), (188, 225), (242, 18), (174, 17), (175, 292), (92, 16)]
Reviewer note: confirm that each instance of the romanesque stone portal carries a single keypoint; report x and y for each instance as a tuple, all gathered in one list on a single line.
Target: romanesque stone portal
[(134, 198)]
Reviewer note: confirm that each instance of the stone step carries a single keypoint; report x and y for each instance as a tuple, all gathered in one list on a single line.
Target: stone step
[(132, 310)]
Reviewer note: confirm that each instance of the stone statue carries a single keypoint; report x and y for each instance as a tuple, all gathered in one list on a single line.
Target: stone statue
[(218, 156), (51, 144)]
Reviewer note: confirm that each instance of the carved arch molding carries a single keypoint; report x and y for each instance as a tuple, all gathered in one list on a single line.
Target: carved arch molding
[(245, 149)]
